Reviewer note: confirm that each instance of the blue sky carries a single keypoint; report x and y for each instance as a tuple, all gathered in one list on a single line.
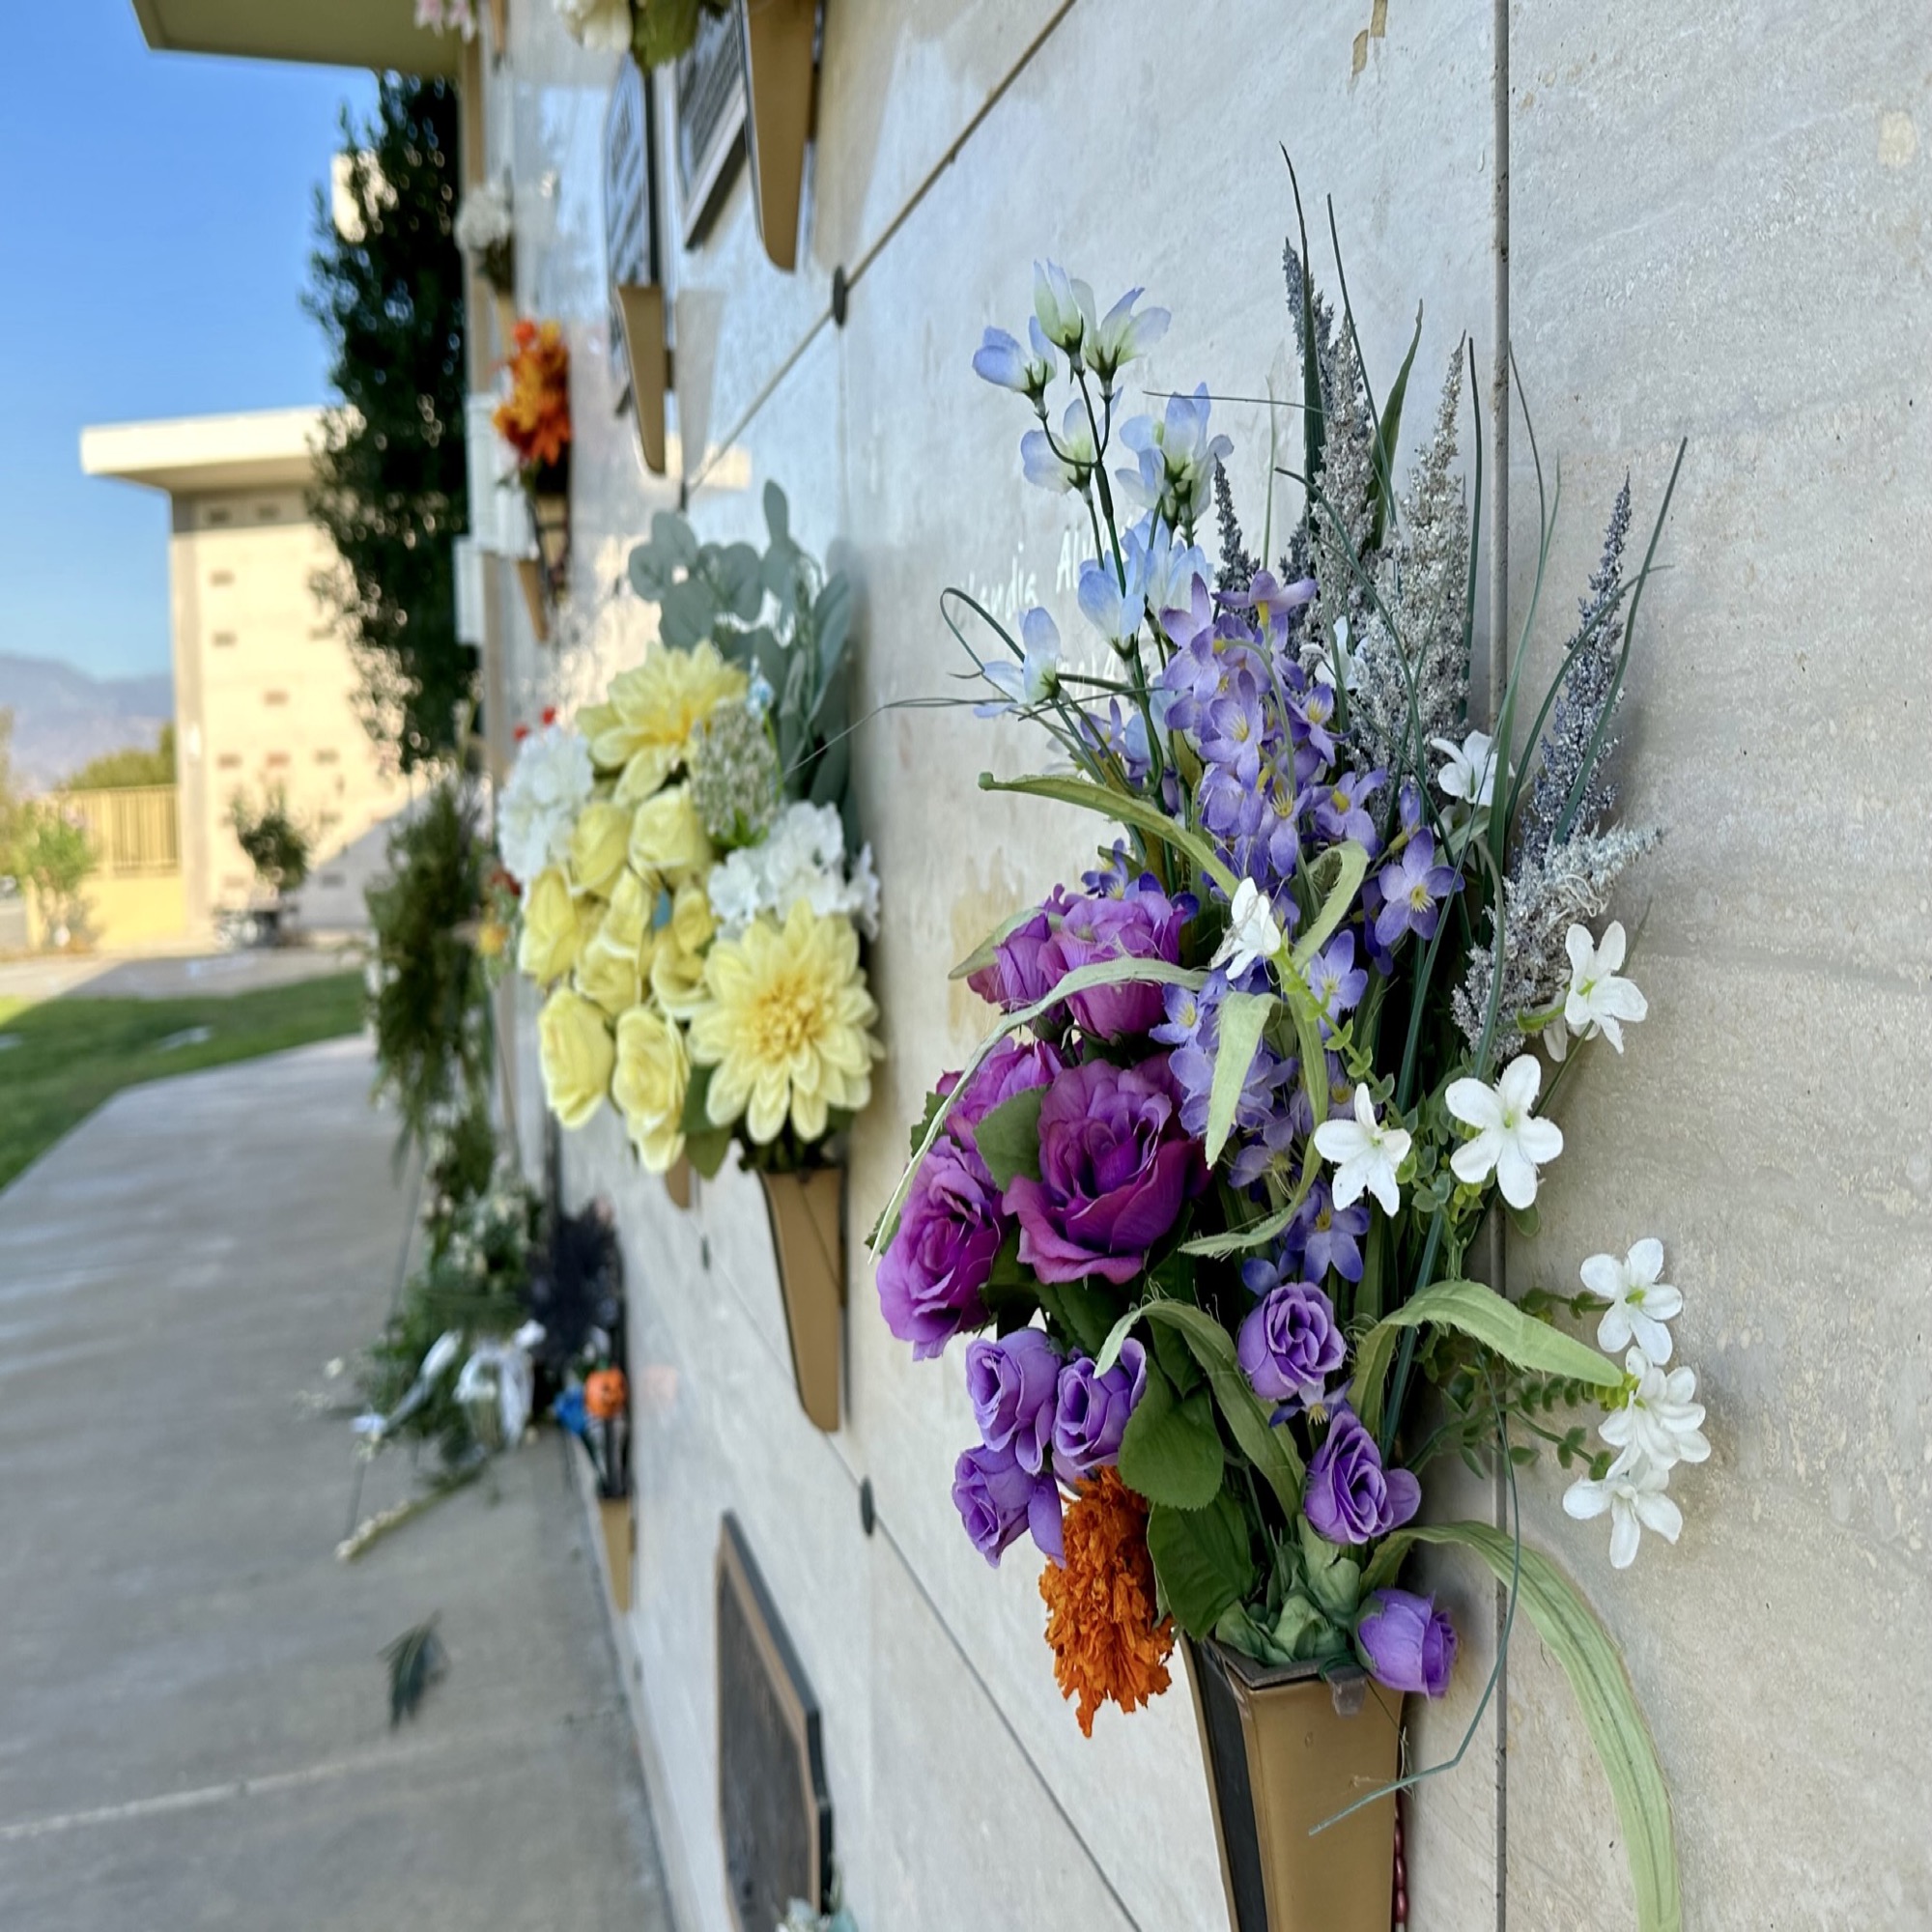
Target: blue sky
[(153, 247)]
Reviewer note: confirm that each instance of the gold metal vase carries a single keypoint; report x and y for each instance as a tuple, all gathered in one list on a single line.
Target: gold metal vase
[(779, 77), (1285, 1751), (807, 1212)]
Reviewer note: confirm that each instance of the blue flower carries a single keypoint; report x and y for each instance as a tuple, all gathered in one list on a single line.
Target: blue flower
[(1001, 360), (1412, 890)]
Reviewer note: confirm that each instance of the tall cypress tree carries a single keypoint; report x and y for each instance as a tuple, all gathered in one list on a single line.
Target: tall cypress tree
[(390, 485)]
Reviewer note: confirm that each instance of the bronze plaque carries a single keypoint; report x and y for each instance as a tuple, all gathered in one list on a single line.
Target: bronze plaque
[(773, 1810)]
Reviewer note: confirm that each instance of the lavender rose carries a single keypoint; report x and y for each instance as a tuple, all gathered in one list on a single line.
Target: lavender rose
[(1115, 1167), (1291, 1343), (930, 1277), (1142, 924), (997, 1499), (1350, 1497), (1009, 1068), (1406, 1642), (1092, 1410), (1016, 978), (1014, 1384)]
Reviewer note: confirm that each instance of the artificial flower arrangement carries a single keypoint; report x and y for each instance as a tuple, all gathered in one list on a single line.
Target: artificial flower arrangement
[(1209, 1194), (534, 420), (447, 16), (657, 32), (692, 897), (486, 231)]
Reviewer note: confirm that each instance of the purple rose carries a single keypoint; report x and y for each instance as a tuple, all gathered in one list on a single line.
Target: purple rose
[(1013, 1384), (1016, 978), (1291, 1343), (1093, 1409), (1406, 1642), (997, 1499), (1145, 923), (930, 1277), (1009, 1068), (1350, 1497), (1115, 1167)]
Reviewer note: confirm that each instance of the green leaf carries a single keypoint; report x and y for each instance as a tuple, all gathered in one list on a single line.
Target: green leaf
[(1483, 1314), (1129, 808), (1109, 1351), (1350, 866), (1079, 1310), (778, 515), (832, 623), (1009, 1137), (1333, 1578), (685, 613), (1568, 1625), (736, 575), (1171, 1350), (707, 1151), (1202, 1561), (696, 1092), (1244, 1017), (1256, 1235), (1270, 1450), (1384, 481), (1304, 1632), (1171, 1452)]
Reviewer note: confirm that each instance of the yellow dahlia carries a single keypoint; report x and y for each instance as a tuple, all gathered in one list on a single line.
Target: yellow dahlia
[(647, 723), (649, 1086), (786, 1024)]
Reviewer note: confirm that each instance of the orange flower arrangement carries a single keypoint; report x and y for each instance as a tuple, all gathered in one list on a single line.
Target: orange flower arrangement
[(1106, 1644), (604, 1394), (536, 420)]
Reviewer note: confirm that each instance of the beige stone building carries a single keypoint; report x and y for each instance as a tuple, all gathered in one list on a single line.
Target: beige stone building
[(265, 686)]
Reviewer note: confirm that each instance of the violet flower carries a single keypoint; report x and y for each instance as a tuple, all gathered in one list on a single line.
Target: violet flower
[(1290, 1345), (1341, 809), (1330, 1237), (1406, 1642), (997, 1500), (942, 1253), (1092, 1412), (1412, 889), (1013, 1385), (1350, 1498), (1145, 923)]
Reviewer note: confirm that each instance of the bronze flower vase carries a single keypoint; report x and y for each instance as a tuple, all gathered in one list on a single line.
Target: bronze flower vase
[(618, 1523), (806, 1212), (677, 1182), (1285, 1751), (778, 77), (641, 305)]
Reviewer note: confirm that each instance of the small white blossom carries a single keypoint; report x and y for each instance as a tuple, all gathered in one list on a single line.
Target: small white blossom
[(1641, 1304), (1511, 1140), (548, 787), (1066, 461), (485, 219), (803, 857), (1034, 679), (1366, 1154), (1065, 306), (1658, 1421), (1252, 932), (1469, 774), (1598, 1001), (1633, 1494), (602, 24)]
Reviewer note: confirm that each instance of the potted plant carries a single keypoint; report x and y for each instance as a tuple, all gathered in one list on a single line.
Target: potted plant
[(276, 845), (1214, 1185), (534, 420)]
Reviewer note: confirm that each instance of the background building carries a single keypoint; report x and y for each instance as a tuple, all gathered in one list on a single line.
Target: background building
[(264, 687)]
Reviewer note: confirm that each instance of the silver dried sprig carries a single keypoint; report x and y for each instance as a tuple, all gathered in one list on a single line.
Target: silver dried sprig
[(1342, 521), (735, 776)]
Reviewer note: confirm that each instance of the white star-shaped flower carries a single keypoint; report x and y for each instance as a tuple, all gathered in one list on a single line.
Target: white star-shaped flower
[(1658, 1421), (1633, 1494), (1252, 931), (1366, 1154), (1036, 678), (1639, 1303), (1598, 1001), (1510, 1142), (1468, 774)]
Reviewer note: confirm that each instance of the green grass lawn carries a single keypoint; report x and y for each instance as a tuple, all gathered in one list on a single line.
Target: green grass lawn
[(69, 1055)]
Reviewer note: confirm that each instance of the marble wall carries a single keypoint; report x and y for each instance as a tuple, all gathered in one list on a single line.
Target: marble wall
[(1715, 227)]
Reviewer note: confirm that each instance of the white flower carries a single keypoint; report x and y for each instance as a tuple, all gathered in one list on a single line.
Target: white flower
[(1598, 1001), (1252, 933), (1032, 681), (485, 219), (1322, 667), (803, 857), (1639, 1303), (1067, 462), (1470, 775), (1063, 305), (1510, 1140), (1121, 336), (1632, 1493), (548, 787), (1366, 1154), (1658, 1421), (603, 24)]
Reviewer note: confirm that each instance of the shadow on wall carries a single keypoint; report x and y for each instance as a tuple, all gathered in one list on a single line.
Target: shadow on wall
[(332, 897)]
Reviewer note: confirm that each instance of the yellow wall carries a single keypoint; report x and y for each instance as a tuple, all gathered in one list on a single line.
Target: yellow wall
[(123, 915)]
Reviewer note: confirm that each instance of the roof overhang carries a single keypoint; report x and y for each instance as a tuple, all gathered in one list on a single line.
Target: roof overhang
[(378, 34), (194, 455)]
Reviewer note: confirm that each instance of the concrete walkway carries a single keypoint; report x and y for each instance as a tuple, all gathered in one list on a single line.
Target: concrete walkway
[(194, 1710), (168, 976)]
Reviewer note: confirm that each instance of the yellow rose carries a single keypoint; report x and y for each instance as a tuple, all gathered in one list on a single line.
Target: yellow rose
[(645, 727), (577, 1054), (597, 844), (554, 930), (677, 970), (649, 1086), (692, 923), (608, 977), (667, 835), (627, 920)]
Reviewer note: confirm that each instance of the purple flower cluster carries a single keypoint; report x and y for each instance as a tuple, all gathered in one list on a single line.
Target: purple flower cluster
[(1042, 1422)]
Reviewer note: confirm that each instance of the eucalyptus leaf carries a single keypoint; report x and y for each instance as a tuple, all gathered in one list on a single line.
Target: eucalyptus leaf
[(778, 515), (1008, 1138), (1244, 1017), (1171, 1451), (1202, 1561), (685, 613), (738, 578)]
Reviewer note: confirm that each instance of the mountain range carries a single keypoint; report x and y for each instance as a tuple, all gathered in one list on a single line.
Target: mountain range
[(63, 716)]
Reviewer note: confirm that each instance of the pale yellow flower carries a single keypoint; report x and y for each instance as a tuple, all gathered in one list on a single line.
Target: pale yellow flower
[(668, 837), (597, 842), (786, 1024), (645, 727), (677, 968), (648, 1087), (557, 926), (609, 978), (576, 1053), (616, 963)]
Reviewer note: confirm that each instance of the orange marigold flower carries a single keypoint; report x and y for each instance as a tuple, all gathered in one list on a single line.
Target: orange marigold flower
[(1106, 1644), (535, 420)]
